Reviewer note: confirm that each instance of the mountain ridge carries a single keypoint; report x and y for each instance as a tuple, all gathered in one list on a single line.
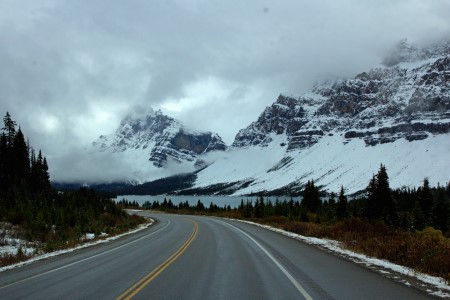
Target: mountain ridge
[(396, 114), (387, 112)]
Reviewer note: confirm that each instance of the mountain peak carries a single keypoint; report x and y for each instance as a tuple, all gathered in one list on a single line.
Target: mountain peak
[(338, 133), (160, 139)]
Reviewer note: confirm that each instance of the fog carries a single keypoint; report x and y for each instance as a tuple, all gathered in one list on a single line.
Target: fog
[(71, 70)]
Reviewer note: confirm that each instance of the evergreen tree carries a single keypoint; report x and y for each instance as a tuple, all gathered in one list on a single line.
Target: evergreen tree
[(342, 205), (10, 129), (331, 207), (311, 198), (200, 206), (426, 202), (259, 207), (20, 157), (380, 203), (441, 212), (419, 218), (372, 209), (3, 163)]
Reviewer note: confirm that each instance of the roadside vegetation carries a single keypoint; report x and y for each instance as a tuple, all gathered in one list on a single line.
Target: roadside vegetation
[(409, 227), (40, 217)]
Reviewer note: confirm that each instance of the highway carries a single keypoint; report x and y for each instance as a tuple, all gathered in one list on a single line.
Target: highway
[(195, 257)]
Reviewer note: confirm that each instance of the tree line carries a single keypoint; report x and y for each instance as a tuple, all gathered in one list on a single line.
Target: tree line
[(411, 209), (44, 214)]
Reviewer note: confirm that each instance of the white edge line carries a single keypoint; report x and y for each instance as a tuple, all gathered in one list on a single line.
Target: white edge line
[(332, 245), (87, 258), (82, 246), (275, 261)]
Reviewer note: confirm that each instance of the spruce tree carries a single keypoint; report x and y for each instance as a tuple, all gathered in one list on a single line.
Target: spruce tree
[(380, 203), (20, 157), (441, 212), (311, 198), (372, 208), (342, 205), (10, 129), (426, 202), (3, 163), (331, 207)]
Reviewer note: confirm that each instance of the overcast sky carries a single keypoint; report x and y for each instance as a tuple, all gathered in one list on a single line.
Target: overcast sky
[(70, 70)]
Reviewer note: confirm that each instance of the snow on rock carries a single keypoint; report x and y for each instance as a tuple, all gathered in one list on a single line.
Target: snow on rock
[(339, 133), (156, 146)]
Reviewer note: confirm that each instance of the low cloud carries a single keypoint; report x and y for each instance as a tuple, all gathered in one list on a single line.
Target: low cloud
[(71, 70)]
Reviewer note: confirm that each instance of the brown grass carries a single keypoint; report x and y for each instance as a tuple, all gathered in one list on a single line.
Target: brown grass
[(426, 251), (9, 259)]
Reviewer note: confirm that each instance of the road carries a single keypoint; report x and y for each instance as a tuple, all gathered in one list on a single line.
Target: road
[(194, 257)]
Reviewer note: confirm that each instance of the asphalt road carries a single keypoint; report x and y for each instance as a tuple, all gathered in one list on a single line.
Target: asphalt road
[(189, 257)]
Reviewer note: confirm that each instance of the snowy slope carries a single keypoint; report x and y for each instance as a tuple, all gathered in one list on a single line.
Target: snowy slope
[(331, 163)]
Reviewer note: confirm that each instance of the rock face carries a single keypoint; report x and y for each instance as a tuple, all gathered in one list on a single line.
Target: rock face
[(397, 114), (409, 98), (161, 138)]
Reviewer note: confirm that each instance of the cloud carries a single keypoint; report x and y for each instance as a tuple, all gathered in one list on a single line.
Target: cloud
[(71, 70)]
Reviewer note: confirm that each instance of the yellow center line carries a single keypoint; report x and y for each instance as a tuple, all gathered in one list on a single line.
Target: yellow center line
[(138, 286)]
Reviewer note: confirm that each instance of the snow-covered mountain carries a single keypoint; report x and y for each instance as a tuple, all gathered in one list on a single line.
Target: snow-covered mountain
[(339, 133), (152, 143)]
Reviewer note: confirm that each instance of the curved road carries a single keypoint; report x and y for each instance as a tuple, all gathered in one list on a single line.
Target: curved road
[(192, 257)]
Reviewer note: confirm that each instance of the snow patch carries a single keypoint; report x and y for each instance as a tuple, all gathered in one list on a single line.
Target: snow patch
[(85, 245)]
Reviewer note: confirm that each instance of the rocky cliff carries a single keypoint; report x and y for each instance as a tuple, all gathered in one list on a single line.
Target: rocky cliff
[(397, 114), (409, 99)]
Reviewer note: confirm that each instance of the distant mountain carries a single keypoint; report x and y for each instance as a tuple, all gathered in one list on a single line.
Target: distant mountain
[(339, 133), (153, 140)]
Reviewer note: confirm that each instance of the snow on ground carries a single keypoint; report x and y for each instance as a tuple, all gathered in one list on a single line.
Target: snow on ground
[(59, 252), (10, 243), (442, 289), (333, 162), (12, 249)]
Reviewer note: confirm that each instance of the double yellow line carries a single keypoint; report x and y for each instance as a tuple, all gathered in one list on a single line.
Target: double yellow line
[(138, 286)]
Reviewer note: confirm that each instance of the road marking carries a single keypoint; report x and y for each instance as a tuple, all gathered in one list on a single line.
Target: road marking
[(275, 261), (85, 259), (138, 286)]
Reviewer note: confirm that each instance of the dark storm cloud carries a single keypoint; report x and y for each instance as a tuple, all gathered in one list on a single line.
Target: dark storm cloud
[(70, 70)]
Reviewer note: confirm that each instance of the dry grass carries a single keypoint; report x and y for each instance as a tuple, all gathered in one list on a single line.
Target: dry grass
[(9, 259), (426, 251)]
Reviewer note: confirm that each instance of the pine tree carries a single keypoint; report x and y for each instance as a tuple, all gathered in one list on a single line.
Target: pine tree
[(426, 202), (7, 140), (259, 207), (372, 212), (441, 212), (311, 198), (331, 207), (10, 129), (20, 157), (380, 203), (3, 163), (342, 205)]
